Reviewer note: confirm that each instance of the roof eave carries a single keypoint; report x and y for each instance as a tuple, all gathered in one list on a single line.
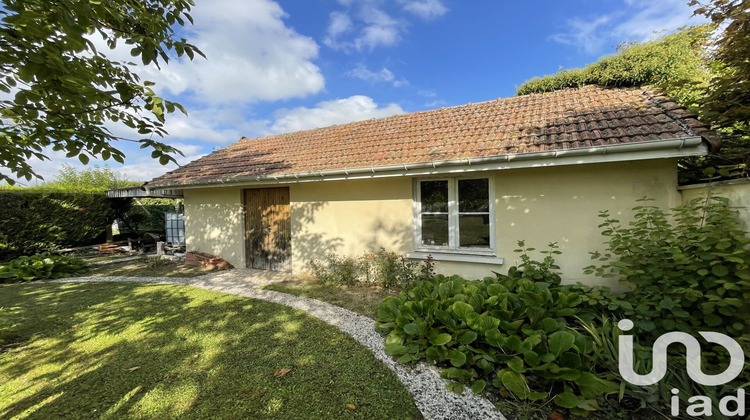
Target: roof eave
[(655, 149)]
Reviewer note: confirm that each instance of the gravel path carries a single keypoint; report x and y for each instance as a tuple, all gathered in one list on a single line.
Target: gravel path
[(423, 381)]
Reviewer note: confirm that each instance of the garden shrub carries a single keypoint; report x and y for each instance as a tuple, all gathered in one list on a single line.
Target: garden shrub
[(336, 269), (35, 220), (513, 333), (390, 270), (40, 266), (382, 268), (689, 270)]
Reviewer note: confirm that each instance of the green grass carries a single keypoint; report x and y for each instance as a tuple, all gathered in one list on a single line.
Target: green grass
[(144, 267), (136, 351), (361, 299)]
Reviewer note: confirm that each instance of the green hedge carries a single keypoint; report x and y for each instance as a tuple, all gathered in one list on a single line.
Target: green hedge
[(37, 220)]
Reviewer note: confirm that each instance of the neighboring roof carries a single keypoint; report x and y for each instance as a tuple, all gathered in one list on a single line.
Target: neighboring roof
[(138, 192), (559, 121)]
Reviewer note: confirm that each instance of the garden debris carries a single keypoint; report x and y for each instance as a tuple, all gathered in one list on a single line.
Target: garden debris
[(207, 261), (556, 416), (134, 368), (110, 248), (278, 373)]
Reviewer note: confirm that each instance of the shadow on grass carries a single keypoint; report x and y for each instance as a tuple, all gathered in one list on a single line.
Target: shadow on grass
[(119, 350)]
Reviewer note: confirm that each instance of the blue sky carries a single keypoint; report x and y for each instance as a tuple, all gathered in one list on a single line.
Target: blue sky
[(287, 65)]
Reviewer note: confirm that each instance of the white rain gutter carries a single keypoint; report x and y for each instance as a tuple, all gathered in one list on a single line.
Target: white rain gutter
[(656, 149)]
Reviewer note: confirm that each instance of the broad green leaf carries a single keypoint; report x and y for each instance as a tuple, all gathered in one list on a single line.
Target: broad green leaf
[(467, 337), (411, 329), (441, 339), (494, 338), (462, 310), (515, 383), (457, 358), (478, 386), (561, 341), (516, 364), (566, 400), (395, 349)]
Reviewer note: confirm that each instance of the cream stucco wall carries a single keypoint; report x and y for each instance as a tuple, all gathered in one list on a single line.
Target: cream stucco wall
[(350, 217), (214, 223), (538, 205), (737, 192), (562, 204)]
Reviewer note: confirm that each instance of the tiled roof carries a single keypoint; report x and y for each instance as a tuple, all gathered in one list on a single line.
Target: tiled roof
[(566, 119)]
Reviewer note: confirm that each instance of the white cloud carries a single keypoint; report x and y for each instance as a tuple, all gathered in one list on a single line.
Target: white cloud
[(584, 34), (251, 55), (339, 111), (362, 72), (426, 9), (380, 30), (639, 20), (339, 24), (366, 25)]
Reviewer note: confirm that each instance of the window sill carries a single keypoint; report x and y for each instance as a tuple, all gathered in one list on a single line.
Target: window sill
[(469, 258)]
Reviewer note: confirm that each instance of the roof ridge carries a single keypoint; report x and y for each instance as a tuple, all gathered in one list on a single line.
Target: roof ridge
[(698, 128)]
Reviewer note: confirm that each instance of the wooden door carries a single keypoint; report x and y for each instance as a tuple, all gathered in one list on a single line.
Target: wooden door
[(268, 229)]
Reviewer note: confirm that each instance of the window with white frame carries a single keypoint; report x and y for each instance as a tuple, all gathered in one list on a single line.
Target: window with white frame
[(454, 214)]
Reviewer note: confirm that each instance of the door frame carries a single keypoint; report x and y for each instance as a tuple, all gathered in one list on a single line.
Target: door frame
[(249, 259)]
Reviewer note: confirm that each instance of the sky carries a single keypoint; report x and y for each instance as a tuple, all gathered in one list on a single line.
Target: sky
[(289, 65)]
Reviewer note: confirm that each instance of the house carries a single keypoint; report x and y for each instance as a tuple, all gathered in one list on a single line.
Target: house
[(462, 184)]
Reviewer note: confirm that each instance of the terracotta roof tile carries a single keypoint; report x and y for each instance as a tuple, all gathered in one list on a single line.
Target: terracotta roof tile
[(566, 119)]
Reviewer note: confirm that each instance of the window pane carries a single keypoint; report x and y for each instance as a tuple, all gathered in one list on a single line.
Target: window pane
[(435, 229), (474, 230), (473, 195), (434, 196)]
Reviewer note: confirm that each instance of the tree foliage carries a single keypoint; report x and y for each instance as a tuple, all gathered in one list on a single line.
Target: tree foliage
[(92, 179), (726, 105), (60, 92), (675, 62), (708, 75)]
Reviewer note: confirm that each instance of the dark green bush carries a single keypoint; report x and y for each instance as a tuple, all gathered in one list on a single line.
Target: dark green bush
[(40, 266), (514, 333), (689, 269), (36, 220)]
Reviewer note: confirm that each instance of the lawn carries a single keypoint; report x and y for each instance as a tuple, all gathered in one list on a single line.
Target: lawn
[(144, 267), (359, 298), (129, 350)]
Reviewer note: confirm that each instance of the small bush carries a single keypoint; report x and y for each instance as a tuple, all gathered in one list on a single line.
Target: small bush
[(390, 270), (382, 268), (40, 266), (515, 334), (336, 270)]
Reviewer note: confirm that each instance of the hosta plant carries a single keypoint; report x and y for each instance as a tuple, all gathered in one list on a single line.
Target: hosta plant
[(40, 266), (512, 333)]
